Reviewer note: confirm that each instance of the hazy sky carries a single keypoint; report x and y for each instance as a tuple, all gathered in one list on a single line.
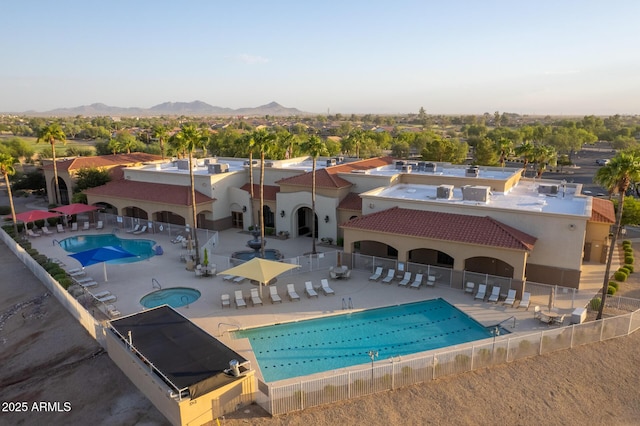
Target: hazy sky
[(350, 56)]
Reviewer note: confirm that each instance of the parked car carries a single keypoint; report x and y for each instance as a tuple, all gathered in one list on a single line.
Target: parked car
[(602, 162)]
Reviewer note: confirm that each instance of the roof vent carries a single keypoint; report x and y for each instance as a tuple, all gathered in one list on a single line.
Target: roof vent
[(472, 171), (218, 168), (476, 193), (407, 168), (331, 162), (399, 164), (548, 189), (444, 192)]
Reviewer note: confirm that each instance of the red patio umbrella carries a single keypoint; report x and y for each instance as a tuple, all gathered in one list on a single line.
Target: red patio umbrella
[(33, 215), (75, 208)]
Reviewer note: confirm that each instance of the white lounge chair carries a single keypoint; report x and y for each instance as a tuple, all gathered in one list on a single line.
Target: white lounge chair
[(238, 280), (495, 294), (482, 292), (291, 292), (177, 239), (60, 228), (225, 300), (273, 294), (101, 294), (89, 284), (77, 273), (85, 226), (240, 300), (74, 226), (511, 298), (100, 225), (255, 297), (46, 231), (417, 282), (469, 287), (406, 279), (141, 230), (390, 275), (431, 280), (325, 288), (32, 234), (228, 277), (377, 274), (107, 299), (308, 288), (134, 229), (526, 300)]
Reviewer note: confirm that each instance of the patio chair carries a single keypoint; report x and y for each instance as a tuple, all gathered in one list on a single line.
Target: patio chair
[(134, 229), (238, 280), (255, 297), (88, 284), (46, 231), (469, 287), (228, 278), (537, 312), (141, 230), (291, 292), (526, 300), (32, 234), (495, 294), (225, 300), (240, 300), (511, 298), (199, 271), (405, 280), (333, 275), (325, 288), (377, 274), (308, 288), (482, 292), (177, 239), (101, 294), (273, 294), (60, 228), (347, 275), (85, 226), (431, 280), (417, 282), (100, 225), (390, 275), (74, 226)]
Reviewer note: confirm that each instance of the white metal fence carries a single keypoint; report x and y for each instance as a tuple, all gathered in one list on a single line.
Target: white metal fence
[(387, 375)]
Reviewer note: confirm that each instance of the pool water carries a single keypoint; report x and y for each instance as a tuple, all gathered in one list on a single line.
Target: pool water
[(306, 347), (175, 297), (143, 249)]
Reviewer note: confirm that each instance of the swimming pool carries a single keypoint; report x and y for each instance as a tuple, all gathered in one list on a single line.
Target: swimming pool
[(175, 297), (306, 347), (143, 249)]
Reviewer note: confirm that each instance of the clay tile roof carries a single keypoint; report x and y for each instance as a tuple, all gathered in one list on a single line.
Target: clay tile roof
[(324, 179), (153, 192), (78, 163), (270, 191), (351, 202), (367, 164), (444, 226), (602, 211)]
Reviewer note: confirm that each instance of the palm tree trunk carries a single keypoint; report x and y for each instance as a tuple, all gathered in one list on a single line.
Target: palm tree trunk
[(313, 208), (13, 209), (253, 220), (261, 213), (194, 211), (612, 247), (58, 199)]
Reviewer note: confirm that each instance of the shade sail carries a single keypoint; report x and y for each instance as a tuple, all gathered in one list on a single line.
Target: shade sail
[(75, 208), (33, 215), (100, 255), (259, 269)]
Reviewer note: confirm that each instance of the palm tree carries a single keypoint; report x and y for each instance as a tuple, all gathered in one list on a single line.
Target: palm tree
[(504, 147), (525, 151), (250, 144), (188, 139), (616, 176), (542, 155), (355, 139), (6, 168), (315, 147), (262, 141), (50, 134), (160, 132)]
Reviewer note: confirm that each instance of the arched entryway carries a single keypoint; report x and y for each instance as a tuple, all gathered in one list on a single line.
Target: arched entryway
[(169, 217), (375, 248), (303, 216), (488, 265), (430, 257), (135, 212), (64, 192), (268, 218)]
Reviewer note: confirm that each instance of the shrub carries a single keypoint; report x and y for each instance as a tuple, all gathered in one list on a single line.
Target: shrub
[(629, 260), (614, 284), (629, 267), (594, 305), (620, 276), (5, 210), (65, 283), (32, 252), (625, 270), (611, 290), (626, 242), (40, 258)]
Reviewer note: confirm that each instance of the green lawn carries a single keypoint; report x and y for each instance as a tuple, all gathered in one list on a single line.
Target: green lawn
[(60, 148)]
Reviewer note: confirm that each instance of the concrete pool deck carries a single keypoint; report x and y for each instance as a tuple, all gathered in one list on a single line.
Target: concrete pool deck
[(130, 282)]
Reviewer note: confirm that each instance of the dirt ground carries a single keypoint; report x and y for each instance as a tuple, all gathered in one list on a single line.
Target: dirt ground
[(45, 356)]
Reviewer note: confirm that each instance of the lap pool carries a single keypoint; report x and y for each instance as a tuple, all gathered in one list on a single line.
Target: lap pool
[(142, 248), (306, 347)]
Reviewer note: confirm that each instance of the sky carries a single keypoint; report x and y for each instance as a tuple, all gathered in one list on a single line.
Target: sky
[(380, 57)]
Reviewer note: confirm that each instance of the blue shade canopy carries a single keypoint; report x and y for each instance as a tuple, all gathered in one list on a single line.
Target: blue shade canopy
[(101, 254)]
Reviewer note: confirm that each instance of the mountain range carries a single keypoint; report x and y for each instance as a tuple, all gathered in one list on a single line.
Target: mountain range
[(195, 108)]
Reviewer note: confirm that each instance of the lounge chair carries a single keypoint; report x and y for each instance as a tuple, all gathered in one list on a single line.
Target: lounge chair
[(406, 279), (417, 282), (225, 300), (100, 225), (141, 230), (77, 273), (238, 280), (240, 300), (526, 300), (89, 284), (57, 261), (273, 294), (107, 299), (482, 292), (60, 228), (511, 298), (74, 226), (134, 229), (228, 277), (46, 231), (101, 294), (308, 288), (113, 311), (85, 226), (82, 280), (377, 274), (325, 288), (390, 275), (291, 292), (495, 294), (32, 234), (177, 239), (255, 297), (469, 287), (431, 280)]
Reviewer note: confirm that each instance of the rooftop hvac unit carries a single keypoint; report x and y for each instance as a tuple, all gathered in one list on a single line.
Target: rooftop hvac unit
[(331, 162), (182, 164), (340, 160), (548, 189), (399, 164), (476, 193), (254, 162), (444, 192), (430, 167), (421, 166), (208, 161), (407, 168), (218, 168), (472, 172)]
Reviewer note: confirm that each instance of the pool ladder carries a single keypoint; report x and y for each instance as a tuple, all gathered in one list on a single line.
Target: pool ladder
[(347, 304), (155, 284)]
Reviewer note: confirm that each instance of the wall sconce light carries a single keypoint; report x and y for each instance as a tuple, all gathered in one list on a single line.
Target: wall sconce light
[(572, 227), (244, 209), (371, 205), (282, 213), (326, 219)]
